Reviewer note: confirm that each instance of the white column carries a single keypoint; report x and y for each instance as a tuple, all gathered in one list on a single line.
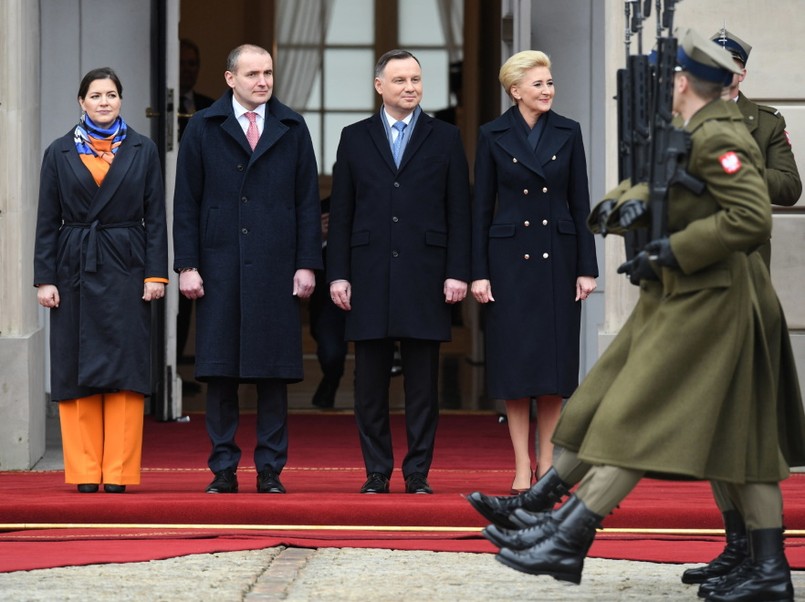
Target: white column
[(22, 344)]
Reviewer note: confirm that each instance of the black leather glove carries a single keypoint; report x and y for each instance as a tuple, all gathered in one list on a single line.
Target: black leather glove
[(630, 212), (601, 215), (660, 251), (638, 268)]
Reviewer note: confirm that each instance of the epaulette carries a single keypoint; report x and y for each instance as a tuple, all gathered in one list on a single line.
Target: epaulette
[(771, 110)]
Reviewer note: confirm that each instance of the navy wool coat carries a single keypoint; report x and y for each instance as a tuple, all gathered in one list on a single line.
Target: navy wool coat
[(247, 220), (97, 245), (531, 241), (397, 234)]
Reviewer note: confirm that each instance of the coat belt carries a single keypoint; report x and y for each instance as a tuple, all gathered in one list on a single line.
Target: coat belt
[(92, 258)]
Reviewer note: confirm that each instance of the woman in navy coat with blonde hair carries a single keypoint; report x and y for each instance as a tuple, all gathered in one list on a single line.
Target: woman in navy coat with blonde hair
[(533, 258)]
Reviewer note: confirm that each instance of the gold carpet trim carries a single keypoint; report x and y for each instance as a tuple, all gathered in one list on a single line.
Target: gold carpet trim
[(368, 528)]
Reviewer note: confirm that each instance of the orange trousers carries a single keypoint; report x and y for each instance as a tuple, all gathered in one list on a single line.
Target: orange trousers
[(102, 438)]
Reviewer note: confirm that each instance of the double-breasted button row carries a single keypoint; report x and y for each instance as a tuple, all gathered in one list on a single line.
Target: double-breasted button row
[(527, 223), (527, 256)]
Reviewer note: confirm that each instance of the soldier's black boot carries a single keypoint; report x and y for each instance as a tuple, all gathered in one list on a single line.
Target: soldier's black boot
[(542, 525), (767, 578), (734, 553), (560, 554), (542, 496)]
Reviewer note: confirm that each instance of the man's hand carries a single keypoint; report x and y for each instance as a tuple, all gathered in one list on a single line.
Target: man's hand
[(661, 252), (191, 285), (630, 212), (638, 268), (304, 281), (454, 290), (341, 294), (600, 215)]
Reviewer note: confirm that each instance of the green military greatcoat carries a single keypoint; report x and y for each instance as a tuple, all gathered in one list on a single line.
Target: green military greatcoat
[(684, 388)]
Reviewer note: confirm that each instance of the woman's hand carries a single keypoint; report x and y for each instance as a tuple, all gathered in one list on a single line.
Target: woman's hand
[(482, 291), (584, 286), (153, 291), (48, 296)]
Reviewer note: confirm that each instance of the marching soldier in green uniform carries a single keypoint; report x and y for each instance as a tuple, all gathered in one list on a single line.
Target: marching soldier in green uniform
[(696, 369), (767, 127)]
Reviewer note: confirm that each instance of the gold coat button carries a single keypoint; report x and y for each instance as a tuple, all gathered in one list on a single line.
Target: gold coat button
[(526, 223), (526, 256), (514, 159), (545, 256), (545, 189), (525, 190), (545, 222), (553, 158)]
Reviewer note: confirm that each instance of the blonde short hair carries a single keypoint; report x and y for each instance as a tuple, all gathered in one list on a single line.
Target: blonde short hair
[(514, 69)]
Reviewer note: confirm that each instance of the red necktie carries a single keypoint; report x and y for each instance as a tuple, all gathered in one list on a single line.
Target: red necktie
[(252, 134)]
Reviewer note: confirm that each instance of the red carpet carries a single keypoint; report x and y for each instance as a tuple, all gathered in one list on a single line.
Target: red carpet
[(46, 523)]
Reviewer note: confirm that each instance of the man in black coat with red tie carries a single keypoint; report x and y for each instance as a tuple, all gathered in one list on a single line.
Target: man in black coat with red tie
[(398, 258)]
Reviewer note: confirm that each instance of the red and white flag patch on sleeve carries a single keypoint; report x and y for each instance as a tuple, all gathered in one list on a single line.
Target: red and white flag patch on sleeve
[(730, 162)]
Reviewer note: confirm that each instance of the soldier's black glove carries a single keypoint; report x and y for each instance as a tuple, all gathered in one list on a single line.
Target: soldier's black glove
[(638, 268), (601, 215), (660, 251), (630, 212)]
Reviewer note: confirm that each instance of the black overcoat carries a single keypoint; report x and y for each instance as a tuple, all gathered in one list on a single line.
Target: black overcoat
[(531, 241), (397, 234), (247, 220), (97, 245)]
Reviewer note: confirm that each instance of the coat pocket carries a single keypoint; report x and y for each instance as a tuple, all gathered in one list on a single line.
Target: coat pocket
[(501, 231), (436, 239), (566, 226), (359, 238)]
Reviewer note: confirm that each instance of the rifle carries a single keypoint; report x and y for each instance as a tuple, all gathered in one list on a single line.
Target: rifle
[(669, 145), (634, 100)]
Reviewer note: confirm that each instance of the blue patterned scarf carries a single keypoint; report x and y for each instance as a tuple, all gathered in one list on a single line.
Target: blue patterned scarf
[(86, 131)]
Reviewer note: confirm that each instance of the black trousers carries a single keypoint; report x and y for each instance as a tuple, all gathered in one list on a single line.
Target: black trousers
[(327, 324), (420, 361), (222, 415)]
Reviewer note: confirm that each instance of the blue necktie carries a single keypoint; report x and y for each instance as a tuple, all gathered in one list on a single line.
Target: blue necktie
[(396, 146)]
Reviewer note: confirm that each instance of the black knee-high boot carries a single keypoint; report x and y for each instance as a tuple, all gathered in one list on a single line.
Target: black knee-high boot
[(560, 554), (767, 577), (542, 525), (734, 553), (542, 496)]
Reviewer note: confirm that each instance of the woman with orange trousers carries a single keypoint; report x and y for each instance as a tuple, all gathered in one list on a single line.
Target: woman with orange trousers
[(100, 257)]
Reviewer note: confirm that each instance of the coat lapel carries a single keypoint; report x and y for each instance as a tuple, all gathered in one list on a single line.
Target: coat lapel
[(422, 130), (513, 141), (273, 130), (377, 133), (81, 173), (553, 139), (117, 172)]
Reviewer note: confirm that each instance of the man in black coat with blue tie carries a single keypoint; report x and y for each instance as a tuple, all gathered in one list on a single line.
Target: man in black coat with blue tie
[(398, 258)]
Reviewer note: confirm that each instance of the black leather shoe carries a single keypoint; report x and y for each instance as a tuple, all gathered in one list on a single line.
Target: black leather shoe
[(225, 481), (376, 483), (417, 483), (268, 481), (87, 488), (324, 397), (110, 488)]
